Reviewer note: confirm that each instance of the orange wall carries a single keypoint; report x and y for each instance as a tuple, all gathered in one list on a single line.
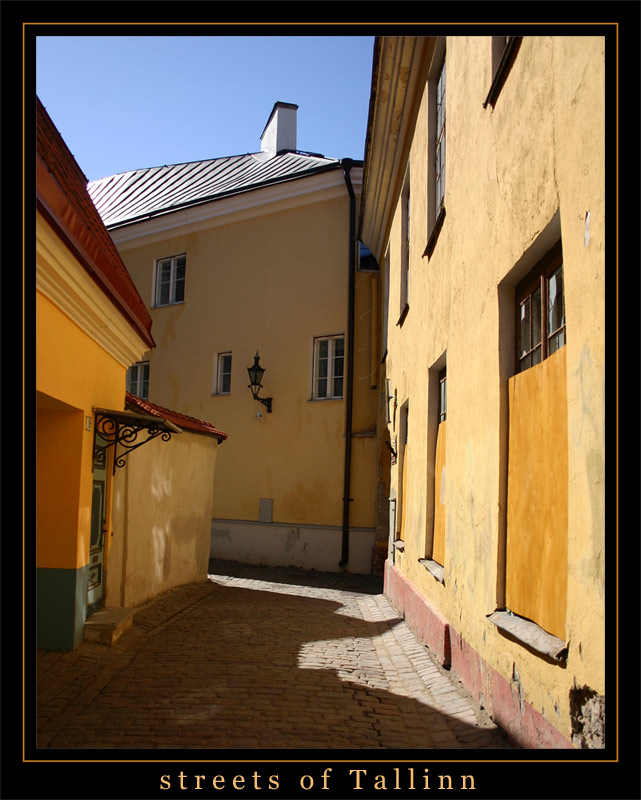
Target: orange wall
[(73, 374)]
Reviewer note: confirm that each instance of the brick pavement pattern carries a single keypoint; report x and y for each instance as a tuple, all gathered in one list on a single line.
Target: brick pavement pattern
[(259, 657)]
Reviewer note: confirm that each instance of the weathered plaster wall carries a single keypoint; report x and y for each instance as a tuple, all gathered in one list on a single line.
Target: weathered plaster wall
[(162, 503), (518, 176)]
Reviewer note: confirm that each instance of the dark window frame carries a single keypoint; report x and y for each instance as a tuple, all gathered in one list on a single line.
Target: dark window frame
[(438, 148), (503, 68), (442, 395), (538, 280)]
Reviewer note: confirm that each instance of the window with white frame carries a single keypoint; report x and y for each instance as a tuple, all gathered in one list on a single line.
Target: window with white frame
[(329, 361), (223, 374), (170, 280), (138, 380)]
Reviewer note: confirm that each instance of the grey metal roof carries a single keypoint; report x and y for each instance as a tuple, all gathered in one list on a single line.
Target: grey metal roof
[(144, 193)]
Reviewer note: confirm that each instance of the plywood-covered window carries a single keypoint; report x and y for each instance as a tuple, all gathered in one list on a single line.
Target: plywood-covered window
[(438, 539), (537, 492), (404, 460)]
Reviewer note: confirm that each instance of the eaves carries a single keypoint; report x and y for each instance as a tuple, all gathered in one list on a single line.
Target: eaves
[(400, 69)]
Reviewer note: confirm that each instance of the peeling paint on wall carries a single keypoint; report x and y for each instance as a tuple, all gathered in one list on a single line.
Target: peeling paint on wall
[(587, 713)]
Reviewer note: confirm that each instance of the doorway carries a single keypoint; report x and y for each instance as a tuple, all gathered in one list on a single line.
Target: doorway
[(96, 578)]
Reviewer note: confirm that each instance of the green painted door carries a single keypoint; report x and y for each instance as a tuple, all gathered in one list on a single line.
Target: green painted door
[(95, 592)]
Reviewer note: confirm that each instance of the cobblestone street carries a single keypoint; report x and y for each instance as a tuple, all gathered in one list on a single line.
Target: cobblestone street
[(259, 657)]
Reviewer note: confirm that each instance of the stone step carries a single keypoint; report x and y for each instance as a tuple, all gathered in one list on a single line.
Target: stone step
[(107, 624)]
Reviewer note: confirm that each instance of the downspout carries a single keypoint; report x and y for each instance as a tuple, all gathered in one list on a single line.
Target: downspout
[(347, 164)]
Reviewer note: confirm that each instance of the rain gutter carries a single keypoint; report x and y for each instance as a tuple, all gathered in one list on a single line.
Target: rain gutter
[(347, 164)]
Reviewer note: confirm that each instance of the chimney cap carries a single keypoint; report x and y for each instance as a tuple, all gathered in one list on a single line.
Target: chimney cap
[(278, 104)]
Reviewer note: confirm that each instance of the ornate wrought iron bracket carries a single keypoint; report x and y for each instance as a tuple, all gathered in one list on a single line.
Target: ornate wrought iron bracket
[(123, 428)]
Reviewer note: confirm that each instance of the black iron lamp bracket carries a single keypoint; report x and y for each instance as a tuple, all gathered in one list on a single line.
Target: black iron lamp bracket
[(266, 401)]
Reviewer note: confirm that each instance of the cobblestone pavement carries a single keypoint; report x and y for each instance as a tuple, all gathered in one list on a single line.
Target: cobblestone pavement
[(258, 657)]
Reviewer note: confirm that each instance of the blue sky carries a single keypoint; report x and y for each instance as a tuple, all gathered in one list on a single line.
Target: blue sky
[(128, 102)]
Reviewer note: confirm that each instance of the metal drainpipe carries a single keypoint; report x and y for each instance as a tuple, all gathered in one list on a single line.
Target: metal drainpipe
[(347, 164)]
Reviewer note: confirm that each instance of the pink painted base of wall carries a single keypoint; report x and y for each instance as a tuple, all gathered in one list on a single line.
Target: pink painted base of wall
[(501, 698)]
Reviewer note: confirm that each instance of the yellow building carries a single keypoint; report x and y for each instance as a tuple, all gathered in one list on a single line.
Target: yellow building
[(98, 527), (90, 325), (257, 253), (483, 202)]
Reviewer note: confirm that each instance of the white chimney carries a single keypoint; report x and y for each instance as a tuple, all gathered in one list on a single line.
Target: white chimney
[(280, 131)]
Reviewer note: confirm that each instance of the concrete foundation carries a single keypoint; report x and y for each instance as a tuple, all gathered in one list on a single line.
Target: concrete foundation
[(305, 546)]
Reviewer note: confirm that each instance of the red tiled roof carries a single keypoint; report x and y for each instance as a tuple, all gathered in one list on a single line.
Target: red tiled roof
[(182, 420), (62, 197)]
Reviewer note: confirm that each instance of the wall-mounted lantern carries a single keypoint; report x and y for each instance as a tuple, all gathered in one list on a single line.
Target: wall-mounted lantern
[(256, 373)]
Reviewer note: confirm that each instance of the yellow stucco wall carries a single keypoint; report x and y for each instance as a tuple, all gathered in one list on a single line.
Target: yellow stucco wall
[(267, 282), (517, 177), (162, 509), (73, 374)]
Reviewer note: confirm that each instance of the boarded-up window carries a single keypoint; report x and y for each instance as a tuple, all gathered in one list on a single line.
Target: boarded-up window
[(438, 541), (537, 494)]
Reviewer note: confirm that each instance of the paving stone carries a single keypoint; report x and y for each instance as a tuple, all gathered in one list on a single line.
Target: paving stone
[(259, 657)]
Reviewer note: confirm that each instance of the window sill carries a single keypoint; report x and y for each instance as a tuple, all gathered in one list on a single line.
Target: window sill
[(169, 305), (531, 635), (434, 568), (325, 399), (436, 229), (404, 312)]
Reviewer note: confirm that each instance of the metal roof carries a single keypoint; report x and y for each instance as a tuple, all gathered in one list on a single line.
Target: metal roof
[(144, 193)]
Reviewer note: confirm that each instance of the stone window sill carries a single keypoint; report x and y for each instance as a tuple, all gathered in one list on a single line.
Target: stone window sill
[(531, 635), (434, 568)]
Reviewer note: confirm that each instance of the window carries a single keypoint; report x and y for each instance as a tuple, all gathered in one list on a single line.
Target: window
[(138, 380), (329, 358), (405, 247), (537, 471), (438, 536), (499, 43), (439, 151), (540, 306), (223, 374), (436, 138), (403, 469), (504, 50), (442, 395), (170, 280)]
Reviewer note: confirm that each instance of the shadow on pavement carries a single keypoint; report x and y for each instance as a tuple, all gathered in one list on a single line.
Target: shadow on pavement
[(297, 576), (255, 668)]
